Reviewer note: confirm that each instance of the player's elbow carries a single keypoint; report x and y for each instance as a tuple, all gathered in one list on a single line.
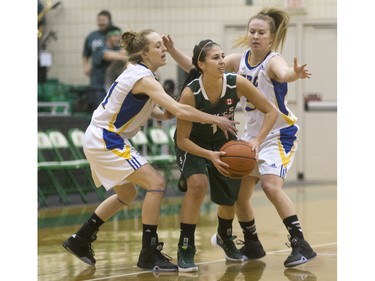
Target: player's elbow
[(272, 113), (181, 112), (181, 143)]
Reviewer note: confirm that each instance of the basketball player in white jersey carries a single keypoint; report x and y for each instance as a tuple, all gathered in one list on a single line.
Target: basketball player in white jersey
[(115, 164), (270, 73)]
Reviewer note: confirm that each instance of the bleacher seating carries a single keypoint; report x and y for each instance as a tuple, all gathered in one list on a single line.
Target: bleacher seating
[(66, 173), (63, 169), (162, 156)]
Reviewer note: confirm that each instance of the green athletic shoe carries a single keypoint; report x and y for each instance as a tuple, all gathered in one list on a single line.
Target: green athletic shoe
[(185, 257)]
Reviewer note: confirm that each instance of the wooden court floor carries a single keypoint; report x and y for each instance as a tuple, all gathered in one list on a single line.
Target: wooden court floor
[(118, 244)]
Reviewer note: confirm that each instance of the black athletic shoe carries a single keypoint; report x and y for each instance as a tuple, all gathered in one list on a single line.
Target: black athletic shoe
[(251, 250), (182, 184), (301, 252), (231, 252), (152, 258), (81, 248)]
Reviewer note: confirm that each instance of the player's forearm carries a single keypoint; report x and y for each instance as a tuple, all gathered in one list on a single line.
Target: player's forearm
[(268, 123), (113, 55), (181, 59), (190, 147)]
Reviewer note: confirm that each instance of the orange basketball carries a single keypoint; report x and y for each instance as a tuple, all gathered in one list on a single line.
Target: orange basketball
[(239, 157)]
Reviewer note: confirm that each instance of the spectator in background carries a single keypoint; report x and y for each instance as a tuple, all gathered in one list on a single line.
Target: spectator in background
[(170, 88), (118, 60), (42, 70), (95, 39), (102, 51)]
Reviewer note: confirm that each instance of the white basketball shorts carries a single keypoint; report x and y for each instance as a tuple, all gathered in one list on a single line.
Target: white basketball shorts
[(276, 153), (112, 159)]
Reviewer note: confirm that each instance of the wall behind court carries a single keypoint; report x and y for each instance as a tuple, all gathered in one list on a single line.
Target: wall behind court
[(187, 21), (191, 21)]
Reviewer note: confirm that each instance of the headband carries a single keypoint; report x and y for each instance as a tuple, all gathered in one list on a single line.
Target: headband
[(205, 45), (113, 32)]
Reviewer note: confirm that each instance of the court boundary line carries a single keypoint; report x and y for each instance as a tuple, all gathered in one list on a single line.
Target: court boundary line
[(207, 262)]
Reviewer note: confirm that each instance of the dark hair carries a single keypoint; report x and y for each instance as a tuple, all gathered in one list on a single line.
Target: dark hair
[(199, 54), (106, 14), (200, 51), (169, 85)]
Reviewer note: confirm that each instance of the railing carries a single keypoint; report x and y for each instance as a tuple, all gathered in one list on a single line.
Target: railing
[(58, 108)]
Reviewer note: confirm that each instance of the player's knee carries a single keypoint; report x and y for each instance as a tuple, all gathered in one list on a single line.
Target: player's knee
[(198, 188), (242, 202), (126, 194), (132, 194), (157, 185), (269, 189)]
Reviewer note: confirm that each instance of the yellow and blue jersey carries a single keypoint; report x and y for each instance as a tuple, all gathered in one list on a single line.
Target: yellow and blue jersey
[(274, 91), (121, 112)]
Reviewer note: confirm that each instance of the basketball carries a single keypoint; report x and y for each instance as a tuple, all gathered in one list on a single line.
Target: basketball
[(239, 157)]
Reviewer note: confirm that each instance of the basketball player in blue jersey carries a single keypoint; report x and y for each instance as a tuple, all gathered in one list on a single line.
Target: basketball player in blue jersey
[(270, 73), (115, 164), (197, 148)]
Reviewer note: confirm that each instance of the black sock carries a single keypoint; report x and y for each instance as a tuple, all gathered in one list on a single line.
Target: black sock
[(149, 237), (224, 228), (90, 227), (249, 230), (187, 234), (293, 226)]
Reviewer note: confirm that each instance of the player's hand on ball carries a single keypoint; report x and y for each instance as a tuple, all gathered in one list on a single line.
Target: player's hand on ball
[(255, 146), (221, 166)]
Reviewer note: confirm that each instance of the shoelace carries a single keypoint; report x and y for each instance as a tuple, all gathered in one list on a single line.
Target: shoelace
[(231, 247), (240, 242), (92, 239), (91, 250), (160, 254), (288, 244), (291, 243)]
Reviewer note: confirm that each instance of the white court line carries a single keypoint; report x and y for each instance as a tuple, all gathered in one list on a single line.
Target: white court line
[(214, 261)]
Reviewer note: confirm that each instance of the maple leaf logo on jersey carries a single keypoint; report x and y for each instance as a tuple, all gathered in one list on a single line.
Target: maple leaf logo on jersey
[(229, 102)]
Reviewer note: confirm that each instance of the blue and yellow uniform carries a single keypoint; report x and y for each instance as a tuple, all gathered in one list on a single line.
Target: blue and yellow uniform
[(277, 152), (117, 119)]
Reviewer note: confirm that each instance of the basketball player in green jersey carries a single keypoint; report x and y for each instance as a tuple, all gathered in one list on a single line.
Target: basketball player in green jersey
[(212, 91)]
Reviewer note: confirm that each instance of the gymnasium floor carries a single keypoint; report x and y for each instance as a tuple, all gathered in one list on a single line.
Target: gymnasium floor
[(119, 240)]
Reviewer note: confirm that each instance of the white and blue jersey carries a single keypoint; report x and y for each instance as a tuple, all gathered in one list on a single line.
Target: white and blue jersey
[(276, 153), (119, 117), (121, 112)]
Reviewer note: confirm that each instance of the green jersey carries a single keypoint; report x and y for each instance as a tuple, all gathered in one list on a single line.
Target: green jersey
[(223, 190), (226, 105)]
